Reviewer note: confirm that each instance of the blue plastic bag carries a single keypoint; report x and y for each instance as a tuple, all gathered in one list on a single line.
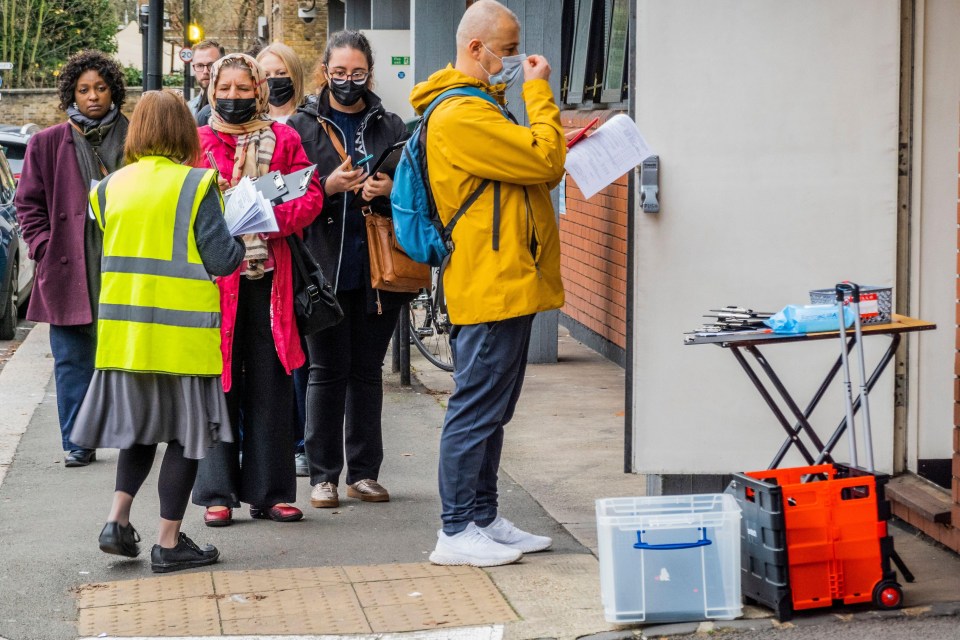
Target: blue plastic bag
[(808, 318)]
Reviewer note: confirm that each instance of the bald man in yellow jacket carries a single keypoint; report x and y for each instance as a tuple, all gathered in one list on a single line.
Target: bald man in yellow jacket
[(504, 269)]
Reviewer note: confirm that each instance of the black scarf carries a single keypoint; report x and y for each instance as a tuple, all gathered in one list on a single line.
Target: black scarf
[(99, 150)]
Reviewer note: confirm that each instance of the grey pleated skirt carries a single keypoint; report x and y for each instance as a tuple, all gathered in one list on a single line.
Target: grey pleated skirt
[(124, 408)]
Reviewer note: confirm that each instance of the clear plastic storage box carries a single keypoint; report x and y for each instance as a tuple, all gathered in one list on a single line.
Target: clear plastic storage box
[(669, 558)]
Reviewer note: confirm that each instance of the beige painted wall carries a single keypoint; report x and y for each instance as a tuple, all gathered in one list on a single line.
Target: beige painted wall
[(776, 126), (936, 131)]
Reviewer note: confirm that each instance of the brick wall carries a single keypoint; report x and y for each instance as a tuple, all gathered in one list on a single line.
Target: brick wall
[(307, 39), (593, 239), (39, 106)]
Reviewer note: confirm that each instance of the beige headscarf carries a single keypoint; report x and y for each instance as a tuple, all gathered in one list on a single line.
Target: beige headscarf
[(255, 133)]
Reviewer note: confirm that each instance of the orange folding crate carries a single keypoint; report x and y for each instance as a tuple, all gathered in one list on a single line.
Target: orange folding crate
[(838, 548)]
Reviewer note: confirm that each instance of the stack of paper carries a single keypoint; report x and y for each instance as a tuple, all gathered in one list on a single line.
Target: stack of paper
[(606, 154), (247, 211)]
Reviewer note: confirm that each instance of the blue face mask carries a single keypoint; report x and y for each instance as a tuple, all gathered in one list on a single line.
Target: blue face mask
[(512, 66)]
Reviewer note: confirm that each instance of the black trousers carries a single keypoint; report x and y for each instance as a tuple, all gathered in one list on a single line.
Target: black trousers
[(345, 393), (263, 392)]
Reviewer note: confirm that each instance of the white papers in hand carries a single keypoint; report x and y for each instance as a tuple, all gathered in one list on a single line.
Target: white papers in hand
[(247, 211), (609, 152)]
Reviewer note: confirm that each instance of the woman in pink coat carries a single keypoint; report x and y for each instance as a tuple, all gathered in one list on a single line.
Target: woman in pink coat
[(259, 338)]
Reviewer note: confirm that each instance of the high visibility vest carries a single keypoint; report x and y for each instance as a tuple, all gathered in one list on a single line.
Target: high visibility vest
[(159, 308)]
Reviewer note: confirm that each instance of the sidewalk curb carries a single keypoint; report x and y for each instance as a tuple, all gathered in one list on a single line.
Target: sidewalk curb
[(935, 610), (487, 632), (23, 384)]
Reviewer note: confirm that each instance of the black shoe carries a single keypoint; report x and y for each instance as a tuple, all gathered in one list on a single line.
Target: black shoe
[(185, 555), (80, 457), (120, 540)]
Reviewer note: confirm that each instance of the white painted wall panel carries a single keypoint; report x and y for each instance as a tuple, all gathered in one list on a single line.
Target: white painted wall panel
[(935, 221), (776, 126)]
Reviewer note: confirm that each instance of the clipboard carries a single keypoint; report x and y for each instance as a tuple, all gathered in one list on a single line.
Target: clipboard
[(278, 188)]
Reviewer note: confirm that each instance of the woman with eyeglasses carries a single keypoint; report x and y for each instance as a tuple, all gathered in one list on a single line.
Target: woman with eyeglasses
[(342, 124)]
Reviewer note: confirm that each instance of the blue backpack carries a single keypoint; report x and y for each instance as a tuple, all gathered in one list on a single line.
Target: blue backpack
[(416, 222)]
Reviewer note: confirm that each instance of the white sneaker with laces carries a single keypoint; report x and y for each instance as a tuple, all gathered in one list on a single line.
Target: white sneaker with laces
[(469, 547), (506, 533)]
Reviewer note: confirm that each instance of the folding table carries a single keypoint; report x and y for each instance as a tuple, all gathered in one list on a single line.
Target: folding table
[(751, 341)]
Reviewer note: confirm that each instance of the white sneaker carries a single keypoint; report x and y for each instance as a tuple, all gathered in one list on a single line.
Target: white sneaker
[(303, 469), (471, 548), (506, 533)]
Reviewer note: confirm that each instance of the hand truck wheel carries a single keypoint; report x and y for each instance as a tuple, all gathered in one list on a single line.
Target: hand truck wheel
[(888, 595)]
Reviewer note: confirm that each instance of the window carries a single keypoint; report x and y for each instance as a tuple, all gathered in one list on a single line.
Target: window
[(596, 53)]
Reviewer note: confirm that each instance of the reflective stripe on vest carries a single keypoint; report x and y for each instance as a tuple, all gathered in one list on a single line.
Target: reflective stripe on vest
[(177, 267), (156, 314)]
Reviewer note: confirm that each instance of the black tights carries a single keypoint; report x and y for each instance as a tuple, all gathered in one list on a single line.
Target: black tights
[(176, 476)]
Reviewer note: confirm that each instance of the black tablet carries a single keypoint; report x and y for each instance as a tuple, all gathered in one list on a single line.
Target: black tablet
[(388, 160)]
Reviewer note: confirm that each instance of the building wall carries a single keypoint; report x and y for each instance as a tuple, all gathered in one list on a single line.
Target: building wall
[(39, 106), (593, 254), (307, 39), (772, 158)]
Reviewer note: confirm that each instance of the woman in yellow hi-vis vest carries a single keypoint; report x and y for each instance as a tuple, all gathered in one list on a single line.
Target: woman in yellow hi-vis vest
[(158, 360)]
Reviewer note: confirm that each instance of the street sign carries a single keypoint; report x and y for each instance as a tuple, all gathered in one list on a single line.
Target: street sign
[(186, 55), (396, 60), (6, 66)]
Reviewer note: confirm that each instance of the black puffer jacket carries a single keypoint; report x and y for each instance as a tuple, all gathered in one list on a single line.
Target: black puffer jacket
[(324, 236)]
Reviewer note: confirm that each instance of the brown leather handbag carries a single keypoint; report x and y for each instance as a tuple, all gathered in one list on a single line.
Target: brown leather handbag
[(390, 268)]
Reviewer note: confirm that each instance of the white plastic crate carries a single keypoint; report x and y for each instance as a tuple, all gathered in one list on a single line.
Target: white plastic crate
[(669, 558)]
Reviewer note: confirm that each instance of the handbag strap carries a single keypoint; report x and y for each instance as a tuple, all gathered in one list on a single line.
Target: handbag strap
[(334, 140), (301, 267)]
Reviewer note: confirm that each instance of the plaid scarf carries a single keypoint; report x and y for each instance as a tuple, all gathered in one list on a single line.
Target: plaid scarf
[(256, 135)]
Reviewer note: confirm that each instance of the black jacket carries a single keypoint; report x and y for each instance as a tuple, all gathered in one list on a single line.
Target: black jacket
[(324, 237)]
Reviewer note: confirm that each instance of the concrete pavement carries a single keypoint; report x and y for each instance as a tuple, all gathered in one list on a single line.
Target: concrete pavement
[(563, 450)]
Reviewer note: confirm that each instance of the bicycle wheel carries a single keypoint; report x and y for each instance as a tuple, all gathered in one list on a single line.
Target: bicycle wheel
[(430, 333)]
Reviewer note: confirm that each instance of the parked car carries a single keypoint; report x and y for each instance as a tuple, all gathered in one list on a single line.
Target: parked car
[(14, 139), (16, 269)]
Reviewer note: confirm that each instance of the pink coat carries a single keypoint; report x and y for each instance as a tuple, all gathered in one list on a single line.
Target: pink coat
[(292, 217)]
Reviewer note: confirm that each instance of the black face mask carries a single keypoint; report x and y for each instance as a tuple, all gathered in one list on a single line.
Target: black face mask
[(236, 111), (349, 92), (281, 90)]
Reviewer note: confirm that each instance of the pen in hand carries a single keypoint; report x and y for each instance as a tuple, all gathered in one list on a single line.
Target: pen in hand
[(365, 159), (583, 132)]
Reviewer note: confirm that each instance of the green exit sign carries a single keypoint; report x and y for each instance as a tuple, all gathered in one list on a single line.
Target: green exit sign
[(395, 60)]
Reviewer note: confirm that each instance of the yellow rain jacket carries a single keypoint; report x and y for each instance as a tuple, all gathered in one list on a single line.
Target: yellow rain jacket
[(512, 271)]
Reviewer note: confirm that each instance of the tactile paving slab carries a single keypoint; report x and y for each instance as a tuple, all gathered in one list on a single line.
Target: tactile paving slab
[(313, 600), (179, 587), (183, 617), (278, 579)]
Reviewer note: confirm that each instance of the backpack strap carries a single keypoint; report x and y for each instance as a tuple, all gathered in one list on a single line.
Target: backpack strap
[(448, 229)]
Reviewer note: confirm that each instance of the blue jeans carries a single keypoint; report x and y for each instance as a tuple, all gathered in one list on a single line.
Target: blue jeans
[(74, 355), (490, 360)]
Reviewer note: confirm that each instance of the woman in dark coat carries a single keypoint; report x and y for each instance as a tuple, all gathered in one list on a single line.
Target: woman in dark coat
[(345, 386), (65, 242)]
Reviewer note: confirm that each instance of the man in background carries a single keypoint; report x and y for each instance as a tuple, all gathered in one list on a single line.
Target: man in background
[(205, 53)]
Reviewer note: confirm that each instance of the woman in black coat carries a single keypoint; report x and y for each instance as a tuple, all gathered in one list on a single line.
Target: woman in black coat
[(341, 125)]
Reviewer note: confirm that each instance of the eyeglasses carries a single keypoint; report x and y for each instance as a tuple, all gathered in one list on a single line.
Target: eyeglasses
[(202, 67), (359, 77)]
